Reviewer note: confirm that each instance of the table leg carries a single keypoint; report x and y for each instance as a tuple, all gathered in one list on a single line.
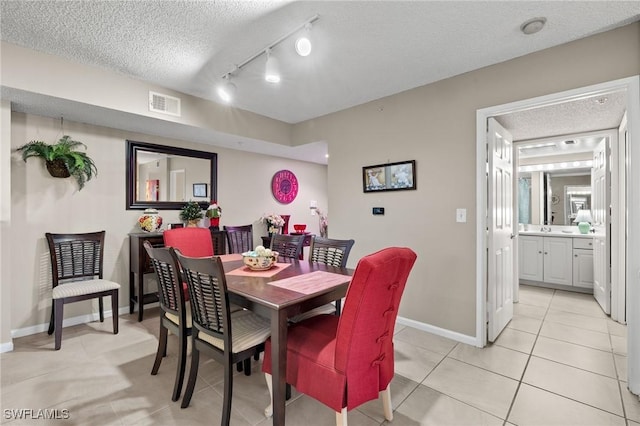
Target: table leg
[(279, 364), (132, 289), (140, 296)]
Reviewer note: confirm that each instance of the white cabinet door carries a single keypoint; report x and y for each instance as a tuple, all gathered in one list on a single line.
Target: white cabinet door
[(558, 263), (530, 258), (583, 268)]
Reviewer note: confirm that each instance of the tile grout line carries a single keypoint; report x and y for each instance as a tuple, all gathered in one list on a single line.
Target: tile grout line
[(513, 400)]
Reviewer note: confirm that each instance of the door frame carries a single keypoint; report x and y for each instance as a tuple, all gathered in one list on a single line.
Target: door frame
[(632, 86)]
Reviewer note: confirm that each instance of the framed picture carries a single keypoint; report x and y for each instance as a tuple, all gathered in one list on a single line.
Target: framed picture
[(389, 177), (199, 189)]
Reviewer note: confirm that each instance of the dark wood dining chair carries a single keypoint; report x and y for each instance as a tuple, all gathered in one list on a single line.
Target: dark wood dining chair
[(346, 361), (239, 238), (77, 274), (228, 337), (331, 252), (289, 246), (219, 241), (175, 315)]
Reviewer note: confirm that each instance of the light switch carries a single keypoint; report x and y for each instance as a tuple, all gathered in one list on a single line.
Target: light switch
[(461, 215)]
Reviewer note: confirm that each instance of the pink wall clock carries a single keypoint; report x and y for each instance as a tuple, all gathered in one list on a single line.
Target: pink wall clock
[(284, 186)]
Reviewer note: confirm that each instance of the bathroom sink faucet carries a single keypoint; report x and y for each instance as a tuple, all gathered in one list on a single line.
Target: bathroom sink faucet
[(545, 229)]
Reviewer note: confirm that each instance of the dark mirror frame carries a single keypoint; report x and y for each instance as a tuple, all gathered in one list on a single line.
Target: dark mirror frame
[(132, 149)]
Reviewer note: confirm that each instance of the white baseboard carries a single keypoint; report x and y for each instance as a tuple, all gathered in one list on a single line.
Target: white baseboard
[(6, 347), (458, 337), (68, 322)]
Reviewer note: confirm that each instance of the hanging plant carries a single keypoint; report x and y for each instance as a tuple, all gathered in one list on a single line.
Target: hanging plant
[(62, 159)]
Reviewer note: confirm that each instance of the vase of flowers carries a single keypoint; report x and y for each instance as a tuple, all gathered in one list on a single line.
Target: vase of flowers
[(214, 211), (323, 223), (274, 223), (191, 213)]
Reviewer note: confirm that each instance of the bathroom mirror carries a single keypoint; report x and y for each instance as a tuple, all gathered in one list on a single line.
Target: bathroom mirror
[(163, 177)]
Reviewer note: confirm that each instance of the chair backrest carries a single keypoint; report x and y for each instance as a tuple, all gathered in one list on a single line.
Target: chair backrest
[(330, 251), (240, 238), (364, 345), (191, 241), (219, 240), (170, 289), (287, 245), (208, 293), (76, 256)]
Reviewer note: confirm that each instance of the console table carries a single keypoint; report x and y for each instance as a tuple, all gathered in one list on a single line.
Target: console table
[(140, 264)]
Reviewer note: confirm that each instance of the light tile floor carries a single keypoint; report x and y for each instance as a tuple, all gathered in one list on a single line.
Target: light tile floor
[(560, 361)]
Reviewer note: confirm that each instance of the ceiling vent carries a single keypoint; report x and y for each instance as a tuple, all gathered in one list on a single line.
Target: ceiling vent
[(164, 104)]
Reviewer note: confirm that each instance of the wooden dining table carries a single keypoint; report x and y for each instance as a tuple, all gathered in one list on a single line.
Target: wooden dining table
[(291, 287)]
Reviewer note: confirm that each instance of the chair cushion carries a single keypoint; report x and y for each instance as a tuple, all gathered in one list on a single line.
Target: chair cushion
[(247, 330), (311, 359), (81, 288), (176, 320), (327, 309)]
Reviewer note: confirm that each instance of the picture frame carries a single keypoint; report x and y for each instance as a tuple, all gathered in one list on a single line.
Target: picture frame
[(399, 176), (199, 189)]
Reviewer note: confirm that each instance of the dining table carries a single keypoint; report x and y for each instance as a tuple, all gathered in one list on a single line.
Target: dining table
[(287, 289)]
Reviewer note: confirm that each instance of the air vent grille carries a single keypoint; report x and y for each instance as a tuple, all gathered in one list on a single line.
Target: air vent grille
[(164, 104)]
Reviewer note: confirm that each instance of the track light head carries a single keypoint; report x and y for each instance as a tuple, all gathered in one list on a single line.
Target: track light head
[(303, 43), (272, 70), (226, 90)]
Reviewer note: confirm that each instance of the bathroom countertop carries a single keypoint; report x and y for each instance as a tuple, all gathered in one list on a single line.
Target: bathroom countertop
[(555, 233)]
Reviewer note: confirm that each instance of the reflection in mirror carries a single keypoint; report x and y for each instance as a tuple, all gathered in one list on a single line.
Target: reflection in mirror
[(162, 177)]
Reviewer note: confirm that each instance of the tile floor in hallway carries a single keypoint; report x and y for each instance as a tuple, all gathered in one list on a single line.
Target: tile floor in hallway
[(560, 361)]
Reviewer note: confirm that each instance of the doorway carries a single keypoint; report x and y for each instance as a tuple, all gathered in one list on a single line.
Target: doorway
[(631, 87)]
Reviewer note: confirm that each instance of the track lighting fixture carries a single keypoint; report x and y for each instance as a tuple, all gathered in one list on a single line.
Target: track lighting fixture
[(272, 70), (226, 90), (303, 43)]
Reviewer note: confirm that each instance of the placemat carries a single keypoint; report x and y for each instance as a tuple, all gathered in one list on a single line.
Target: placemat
[(311, 283), (246, 272), (230, 257)]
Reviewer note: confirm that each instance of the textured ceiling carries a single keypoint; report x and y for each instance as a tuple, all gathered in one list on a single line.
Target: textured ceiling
[(362, 50)]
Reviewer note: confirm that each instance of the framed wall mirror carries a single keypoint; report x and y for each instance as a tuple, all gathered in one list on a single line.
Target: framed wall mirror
[(162, 177)]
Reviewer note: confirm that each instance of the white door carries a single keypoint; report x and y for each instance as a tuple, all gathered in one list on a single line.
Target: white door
[(500, 223), (601, 219)]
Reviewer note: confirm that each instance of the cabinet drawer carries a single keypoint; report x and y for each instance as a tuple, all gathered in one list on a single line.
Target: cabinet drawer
[(583, 243)]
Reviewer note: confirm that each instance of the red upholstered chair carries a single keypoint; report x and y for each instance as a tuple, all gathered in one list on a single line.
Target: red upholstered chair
[(345, 361), (192, 242)]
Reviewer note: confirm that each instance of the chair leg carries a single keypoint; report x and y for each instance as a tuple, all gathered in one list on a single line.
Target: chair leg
[(228, 390), (268, 412), (246, 366), (386, 403), (182, 363), (58, 307), (239, 367), (114, 310), (193, 375), (341, 417), (338, 307), (162, 349), (51, 321), (101, 306)]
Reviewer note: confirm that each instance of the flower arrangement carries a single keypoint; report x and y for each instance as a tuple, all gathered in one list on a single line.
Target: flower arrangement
[(191, 211), (214, 211), (324, 223), (273, 221)]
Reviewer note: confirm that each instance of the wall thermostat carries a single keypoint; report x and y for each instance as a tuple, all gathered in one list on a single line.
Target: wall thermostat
[(378, 210)]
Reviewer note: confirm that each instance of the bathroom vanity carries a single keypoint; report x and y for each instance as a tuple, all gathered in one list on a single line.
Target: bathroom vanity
[(558, 259)]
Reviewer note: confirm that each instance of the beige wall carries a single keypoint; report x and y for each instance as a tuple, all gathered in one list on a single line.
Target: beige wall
[(40, 204), (433, 124), (436, 126), (5, 220)]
